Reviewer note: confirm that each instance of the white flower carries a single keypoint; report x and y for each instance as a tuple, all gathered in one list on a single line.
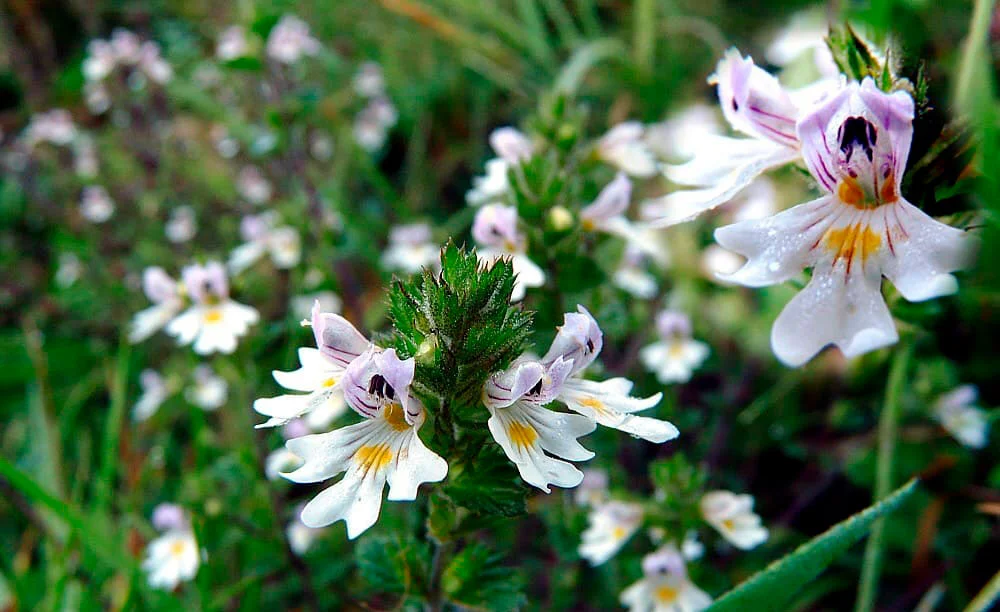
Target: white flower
[(676, 355), (55, 127), (369, 81), (855, 144), (512, 147), (593, 489), (665, 586), (182, 225), (608, 402), (290, 40), (624, 148), (153, 65), (607, 214), (68, 270), (957, 413), (155, 390), (125, 46), (632, 277), (718, 264), (95, 204), (732, 515), (495, 231), (805, 33), (166, 295), (384, 448), (85, 162), (525, 429), (301, 305), (214, 321), (321, 375), (232, 43), (755, 104), (173, 557), (100, 60), (411, 249), (209, 391), (253, 185), (281, 243), (610, 525), (679, 138), (280, 460), (301, 536)]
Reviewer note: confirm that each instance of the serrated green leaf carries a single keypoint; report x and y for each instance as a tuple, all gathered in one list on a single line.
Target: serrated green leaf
[(775, 585), (475, 579)]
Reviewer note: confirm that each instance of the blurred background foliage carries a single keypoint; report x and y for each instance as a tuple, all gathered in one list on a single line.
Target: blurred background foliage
[(802, 441)]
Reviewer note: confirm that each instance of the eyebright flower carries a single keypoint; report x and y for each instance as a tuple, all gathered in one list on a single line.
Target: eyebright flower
[(95, 204), (290, 40), (55, 127), (579, 342), (525, 429), (182, 225), (495, 231), (261, 236), (679, 138), (607, 214), (232, 43), (411, 249), (855, 144), (371, 126), (805, 33), (383, 448), (155, 391), (665, 586), (676, 355), (512, 147), (755, 104), (624, 148), (632, 277), (958, 414), (174, 556), (732, 515), (167, 297), (301, 536), (213, 322), (253, 185), (369, 82), (593, 489), (610, 525), (209, 391), (338, 343)]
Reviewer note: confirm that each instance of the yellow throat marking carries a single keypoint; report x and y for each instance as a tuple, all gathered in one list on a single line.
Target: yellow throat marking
[(522, 434)]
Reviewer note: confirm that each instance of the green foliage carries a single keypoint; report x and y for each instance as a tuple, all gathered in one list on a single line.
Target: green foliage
[(475, 579), (774, 586), (460, 326), (393, 564)]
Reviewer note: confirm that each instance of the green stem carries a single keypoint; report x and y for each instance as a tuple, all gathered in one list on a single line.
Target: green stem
[(987, 597), (973, 55), (585, 58), (887, 431), (644, 35)]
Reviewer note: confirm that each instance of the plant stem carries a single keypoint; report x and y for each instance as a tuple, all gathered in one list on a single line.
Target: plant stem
[(435, 598), (644, 35), (887, 430), (972, 55)]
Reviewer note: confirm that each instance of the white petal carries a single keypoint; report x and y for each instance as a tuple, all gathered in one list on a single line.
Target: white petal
[(836, 307), (413, 465), (924, 251), (186, 326), (327, 454), (244, 256)]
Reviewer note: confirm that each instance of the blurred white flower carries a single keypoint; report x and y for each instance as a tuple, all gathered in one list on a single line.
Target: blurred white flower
[(213, 322), (253, 186), (172, 558), (181, 226), (321, 146), (280, 460), (369, 81), (610, 525), (100, 61), (607, 214), (676, 355), (155, 391), (679, 138), (54, 127), (806, 32), (631, 276), (301, 536), (371, 126), (281, 243), (384, 448), (224, 143), (593, 489), (511, 147), (495, 232), (338, 343), (68, 269), (302, 305), (153, 65), (232, 43), (732, 516), (290, 40), (166, 295), (411, 249), (717, 264), (85, 157), (665, 586), (958, 414), (209, 391), (623, 147), (95, 204)]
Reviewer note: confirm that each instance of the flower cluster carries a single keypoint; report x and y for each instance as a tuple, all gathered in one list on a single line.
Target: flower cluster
[(174, 556), (123, 59), (372, 125)]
